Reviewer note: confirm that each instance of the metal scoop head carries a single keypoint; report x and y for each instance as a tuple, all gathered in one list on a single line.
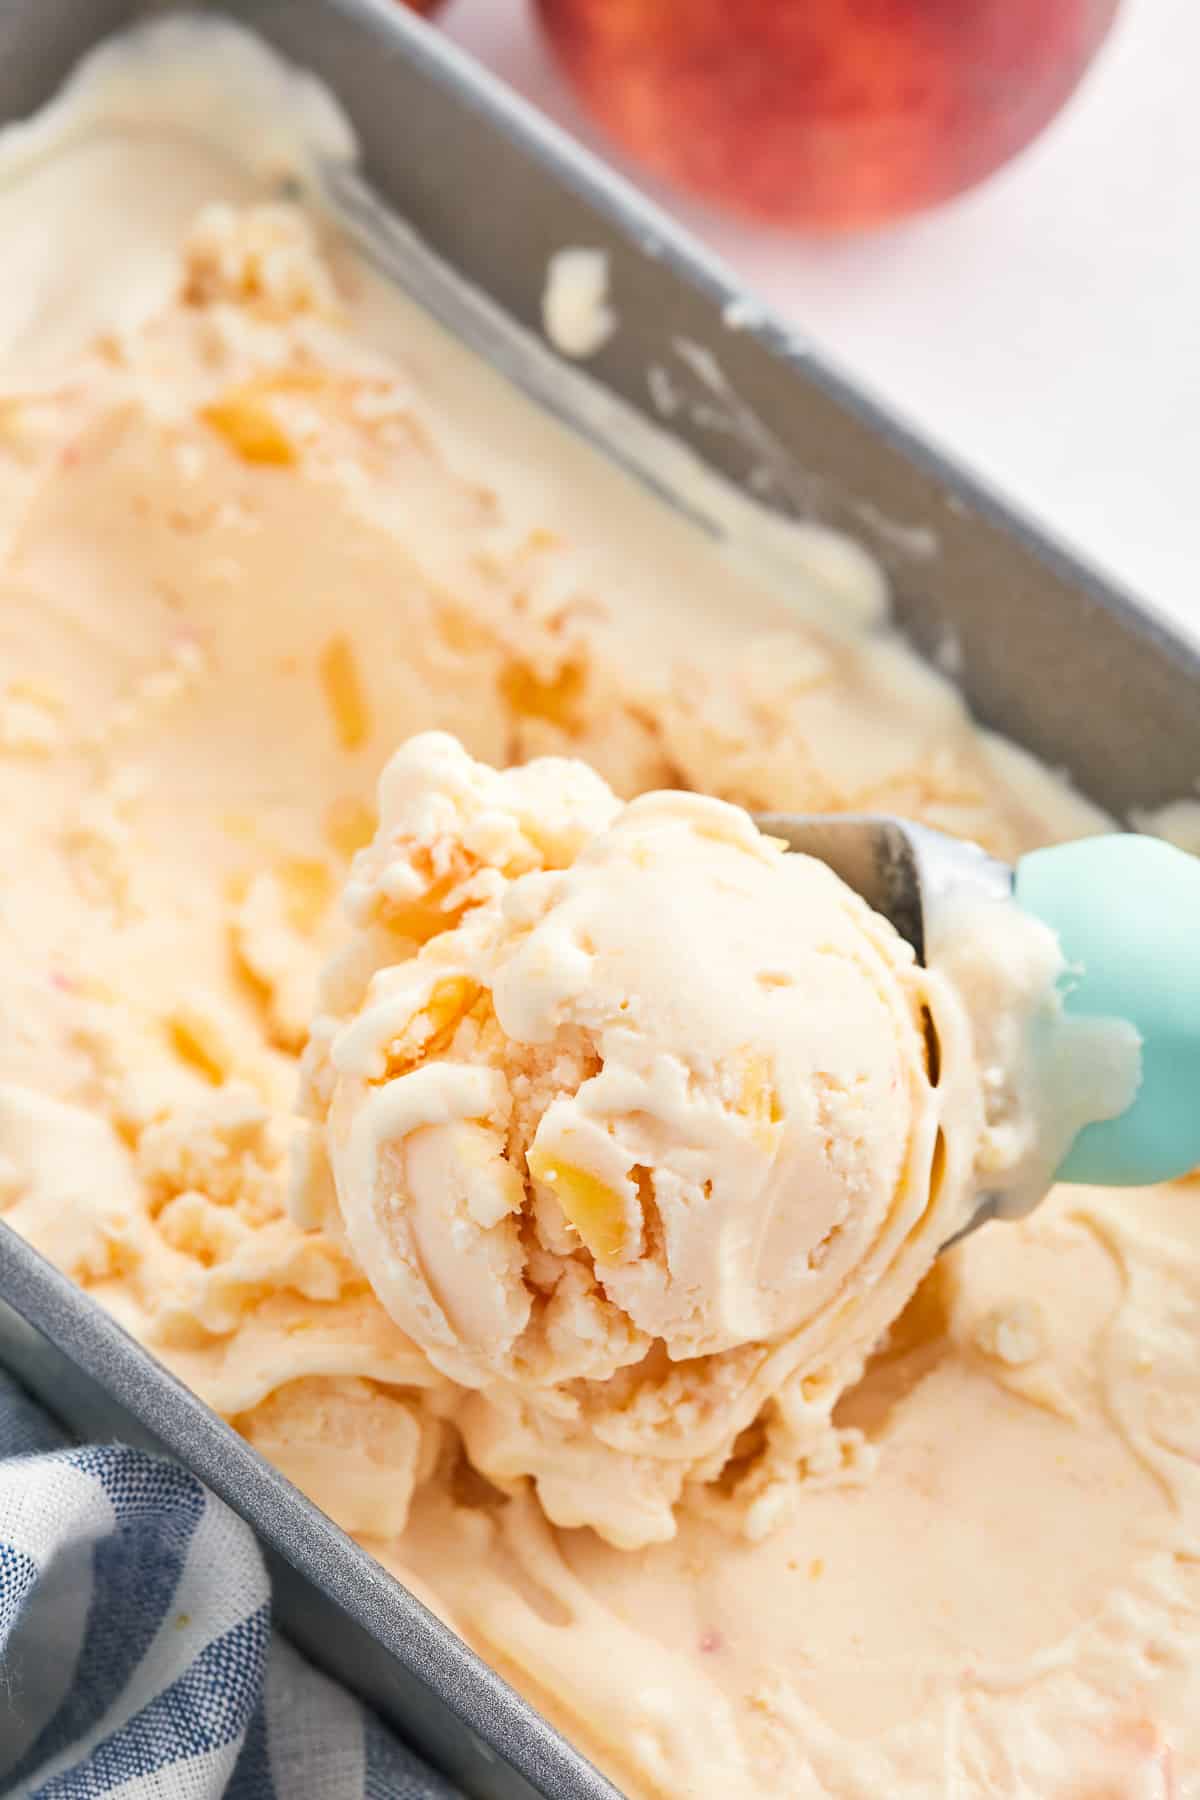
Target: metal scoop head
[(902, 870)]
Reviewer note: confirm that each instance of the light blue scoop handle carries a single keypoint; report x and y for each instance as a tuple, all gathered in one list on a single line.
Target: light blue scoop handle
[(1127, 913)]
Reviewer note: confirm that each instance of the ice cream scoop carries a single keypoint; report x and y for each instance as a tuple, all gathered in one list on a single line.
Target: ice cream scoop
[(1126, 912), (631, 1120), (645, 1129)]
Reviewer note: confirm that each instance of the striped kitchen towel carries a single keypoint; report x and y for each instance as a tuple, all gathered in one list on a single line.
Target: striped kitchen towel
[(137, 1659)]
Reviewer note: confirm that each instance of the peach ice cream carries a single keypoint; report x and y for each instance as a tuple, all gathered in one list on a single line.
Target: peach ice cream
[(632, 1127), (260, 523)]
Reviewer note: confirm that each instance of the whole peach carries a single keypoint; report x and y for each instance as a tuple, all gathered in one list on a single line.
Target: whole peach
[(825, 113)]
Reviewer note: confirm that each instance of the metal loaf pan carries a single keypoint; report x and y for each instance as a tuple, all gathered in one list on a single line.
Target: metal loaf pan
[(1044, 650)]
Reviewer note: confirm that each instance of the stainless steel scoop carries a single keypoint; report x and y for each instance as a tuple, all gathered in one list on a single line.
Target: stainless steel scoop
[(902, 870), (1126, 912)]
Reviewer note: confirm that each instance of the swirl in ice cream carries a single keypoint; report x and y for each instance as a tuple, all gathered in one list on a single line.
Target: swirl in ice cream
[(643, 1128)]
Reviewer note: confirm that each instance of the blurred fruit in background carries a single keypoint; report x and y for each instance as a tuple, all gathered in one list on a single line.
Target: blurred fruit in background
[(828, 114), (422, 6)]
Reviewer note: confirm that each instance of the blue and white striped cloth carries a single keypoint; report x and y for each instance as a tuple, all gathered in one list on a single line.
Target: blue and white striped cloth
[(137, 1659)]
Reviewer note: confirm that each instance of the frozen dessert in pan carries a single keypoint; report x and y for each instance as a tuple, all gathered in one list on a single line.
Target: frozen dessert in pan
[(604, 1304)]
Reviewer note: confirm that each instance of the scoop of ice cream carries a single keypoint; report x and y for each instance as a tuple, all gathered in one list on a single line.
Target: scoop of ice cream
[(634, 1126)]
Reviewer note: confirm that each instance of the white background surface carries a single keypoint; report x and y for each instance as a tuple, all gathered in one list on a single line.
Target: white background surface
[(1045, 329)]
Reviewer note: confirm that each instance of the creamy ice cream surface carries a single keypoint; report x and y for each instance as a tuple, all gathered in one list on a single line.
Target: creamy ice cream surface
[(260, 524)]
